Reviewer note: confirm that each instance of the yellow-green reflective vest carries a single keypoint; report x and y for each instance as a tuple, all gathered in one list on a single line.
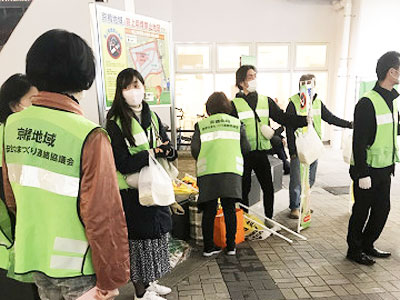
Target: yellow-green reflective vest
[(316, 113), (220, 146), (43, 149), (5, 223), (141, 142), (247, 116), (384, 151)]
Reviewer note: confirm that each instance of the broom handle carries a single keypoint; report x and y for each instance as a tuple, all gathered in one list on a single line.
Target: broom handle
[(269, 230), (274, 222)]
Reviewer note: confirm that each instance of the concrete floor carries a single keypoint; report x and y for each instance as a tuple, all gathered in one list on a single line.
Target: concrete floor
[(312, 269)]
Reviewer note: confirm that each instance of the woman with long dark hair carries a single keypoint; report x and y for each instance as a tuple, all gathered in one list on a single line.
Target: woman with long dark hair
[(133, 129)]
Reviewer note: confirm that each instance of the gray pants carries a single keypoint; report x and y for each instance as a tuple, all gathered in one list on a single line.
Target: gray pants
[(63, 289)]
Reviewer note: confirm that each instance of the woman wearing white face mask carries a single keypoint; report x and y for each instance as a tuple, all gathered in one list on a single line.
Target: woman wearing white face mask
[(254, 111), (131, 126)]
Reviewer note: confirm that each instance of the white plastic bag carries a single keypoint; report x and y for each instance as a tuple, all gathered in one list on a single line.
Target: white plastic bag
[(309, 146), (347, 148), (155, 185), (133, 180), (171, 170)]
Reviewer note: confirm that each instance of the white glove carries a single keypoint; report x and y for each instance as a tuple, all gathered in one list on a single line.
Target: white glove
[(365, 183), (267, 131)]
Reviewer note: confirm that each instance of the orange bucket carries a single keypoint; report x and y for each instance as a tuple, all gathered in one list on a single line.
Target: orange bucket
[(220, 229)]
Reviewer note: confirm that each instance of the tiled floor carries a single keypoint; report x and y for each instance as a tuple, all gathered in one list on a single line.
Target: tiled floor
[(312, 269)]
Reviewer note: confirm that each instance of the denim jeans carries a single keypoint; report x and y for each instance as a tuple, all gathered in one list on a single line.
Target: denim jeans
[(295, 181)]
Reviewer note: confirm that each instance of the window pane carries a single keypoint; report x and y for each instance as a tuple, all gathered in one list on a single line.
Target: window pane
[(311, 56), (191, 94), (193, 57), (229, 56), (273, 56), (275, 85), (226, 83)]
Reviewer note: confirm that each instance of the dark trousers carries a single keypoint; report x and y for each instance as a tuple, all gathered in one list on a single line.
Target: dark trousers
[(258, 161), (363, 230), (209, 209)]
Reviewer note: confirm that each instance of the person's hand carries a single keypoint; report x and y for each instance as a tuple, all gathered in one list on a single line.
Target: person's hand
[(284, 143), (177, 209), (365, 183), (106, 294), (166, 148)]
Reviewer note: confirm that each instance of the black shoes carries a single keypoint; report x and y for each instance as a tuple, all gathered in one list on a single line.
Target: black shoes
[(212, 251), (361, 258), (377, 253)]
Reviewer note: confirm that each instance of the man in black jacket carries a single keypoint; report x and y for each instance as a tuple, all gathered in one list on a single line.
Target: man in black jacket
[(375, 152)]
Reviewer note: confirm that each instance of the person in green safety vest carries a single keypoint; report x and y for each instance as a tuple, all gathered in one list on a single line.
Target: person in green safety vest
[(59, 179), (137, 132), (319, 113), (15, 95), (218, 145), (255, 110), (375, 152)]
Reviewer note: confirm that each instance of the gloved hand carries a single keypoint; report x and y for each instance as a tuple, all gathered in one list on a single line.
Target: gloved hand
[(177, 209), (365, 183), (106, 295)]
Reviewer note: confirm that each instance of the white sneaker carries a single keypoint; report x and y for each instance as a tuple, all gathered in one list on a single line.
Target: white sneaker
[(150, 296), (158, 288)]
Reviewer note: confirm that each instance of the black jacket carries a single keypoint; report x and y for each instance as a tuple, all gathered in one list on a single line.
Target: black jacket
[(364, 134), (326, 116), (275, 113), (143, 222)]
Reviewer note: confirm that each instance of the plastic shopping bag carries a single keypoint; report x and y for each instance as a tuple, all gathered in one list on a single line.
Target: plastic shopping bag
[(220, 229), (171, 170), (155, 185), (309, 146), (347, 148)]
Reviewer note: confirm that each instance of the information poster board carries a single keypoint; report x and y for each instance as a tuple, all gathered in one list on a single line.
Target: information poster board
[(140, 42)]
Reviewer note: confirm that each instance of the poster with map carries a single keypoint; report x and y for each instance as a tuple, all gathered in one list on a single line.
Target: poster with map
[(135, 41)]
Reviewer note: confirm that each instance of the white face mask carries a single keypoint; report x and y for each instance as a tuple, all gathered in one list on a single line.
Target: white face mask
[(134, 96), (252, 85)]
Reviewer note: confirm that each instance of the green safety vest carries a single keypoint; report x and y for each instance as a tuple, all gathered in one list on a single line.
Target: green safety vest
[(220, 146), (247, 116), (43, 149), (5, 223), (141, 142), (301, 111), (384, 151)]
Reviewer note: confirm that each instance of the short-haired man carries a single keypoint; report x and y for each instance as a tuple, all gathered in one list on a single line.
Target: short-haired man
[(375, 152)]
